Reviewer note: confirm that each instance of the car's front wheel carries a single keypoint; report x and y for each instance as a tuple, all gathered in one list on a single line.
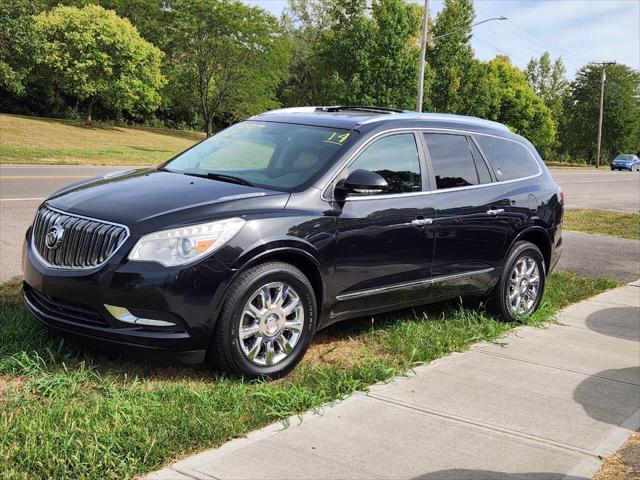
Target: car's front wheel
[(519, 290), (267, 322)]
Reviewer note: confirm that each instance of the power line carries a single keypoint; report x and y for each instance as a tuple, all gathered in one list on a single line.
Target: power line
[(520, 30)]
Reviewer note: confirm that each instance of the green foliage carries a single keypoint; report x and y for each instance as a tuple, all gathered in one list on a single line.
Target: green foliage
[(518, 106), (450, 59), (96, 56), (549, 82), (369, 59), (234, 56), (621, 113), (18, 50)]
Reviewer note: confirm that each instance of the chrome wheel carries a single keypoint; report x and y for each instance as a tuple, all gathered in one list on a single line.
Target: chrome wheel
[(271, 324), (524, 286)]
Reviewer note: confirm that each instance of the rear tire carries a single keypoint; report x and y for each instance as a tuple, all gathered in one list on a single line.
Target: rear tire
[(519, 290), (267, 322)]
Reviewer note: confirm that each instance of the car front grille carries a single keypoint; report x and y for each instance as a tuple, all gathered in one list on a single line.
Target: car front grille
[(73, 242), (63, 310)]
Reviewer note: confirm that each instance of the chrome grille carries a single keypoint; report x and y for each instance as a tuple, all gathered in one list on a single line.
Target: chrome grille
[(85, 242)]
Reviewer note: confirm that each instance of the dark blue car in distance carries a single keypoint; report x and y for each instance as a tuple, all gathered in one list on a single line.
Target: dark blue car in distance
[(238, 250), (626, 161)]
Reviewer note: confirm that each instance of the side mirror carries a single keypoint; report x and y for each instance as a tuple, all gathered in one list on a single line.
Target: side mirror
[(361, 182)]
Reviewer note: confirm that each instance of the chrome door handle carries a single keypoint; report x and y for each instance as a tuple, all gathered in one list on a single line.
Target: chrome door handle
[(495, 211), (421, 222)]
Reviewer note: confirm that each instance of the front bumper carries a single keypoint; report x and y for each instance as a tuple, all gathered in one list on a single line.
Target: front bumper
[(73, 303)]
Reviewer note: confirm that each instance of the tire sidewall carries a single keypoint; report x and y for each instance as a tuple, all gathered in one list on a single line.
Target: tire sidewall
[(302, 286), (519, 250)]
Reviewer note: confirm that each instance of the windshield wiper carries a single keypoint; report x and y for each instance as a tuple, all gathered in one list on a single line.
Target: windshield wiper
[(220, 176)]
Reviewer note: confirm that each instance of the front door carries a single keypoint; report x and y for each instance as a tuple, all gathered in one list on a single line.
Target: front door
[(471, 221), (385, 242)]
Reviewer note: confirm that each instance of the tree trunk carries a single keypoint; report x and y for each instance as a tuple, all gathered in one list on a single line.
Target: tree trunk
[(209, 126), (92, 102)]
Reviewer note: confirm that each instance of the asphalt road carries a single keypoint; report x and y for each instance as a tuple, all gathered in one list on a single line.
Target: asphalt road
[(22, 188), (600, 189)]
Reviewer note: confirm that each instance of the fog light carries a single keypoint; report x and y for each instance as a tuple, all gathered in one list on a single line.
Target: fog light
[(126, 316)]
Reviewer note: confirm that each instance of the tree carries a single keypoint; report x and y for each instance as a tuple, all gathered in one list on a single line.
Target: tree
[(18, 49), (518, 106), (369, 59), (96, 56), (234, 56), (549, 82), (305, 22), (451, 59), (621, 113)]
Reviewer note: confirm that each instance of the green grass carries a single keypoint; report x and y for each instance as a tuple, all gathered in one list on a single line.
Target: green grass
[(70, 413), (48, 141), (617, 224)]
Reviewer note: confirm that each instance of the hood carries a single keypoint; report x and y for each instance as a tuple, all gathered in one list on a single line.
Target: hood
[(149, 199)]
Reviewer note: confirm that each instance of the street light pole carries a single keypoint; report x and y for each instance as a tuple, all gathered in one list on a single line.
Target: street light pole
[(603, 77), (423, 48), (423, 52)]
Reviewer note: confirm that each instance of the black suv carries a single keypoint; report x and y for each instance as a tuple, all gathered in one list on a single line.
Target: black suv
[(240, 248)]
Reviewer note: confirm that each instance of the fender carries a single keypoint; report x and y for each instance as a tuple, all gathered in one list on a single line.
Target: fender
[(538, 232), (258, 253)]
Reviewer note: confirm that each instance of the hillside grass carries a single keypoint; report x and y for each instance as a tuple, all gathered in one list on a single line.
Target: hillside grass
[(33, 140), (66, 412), (616, 224)]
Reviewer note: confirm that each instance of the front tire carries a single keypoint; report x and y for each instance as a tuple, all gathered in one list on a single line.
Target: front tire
[(267, 322), (519, 290)]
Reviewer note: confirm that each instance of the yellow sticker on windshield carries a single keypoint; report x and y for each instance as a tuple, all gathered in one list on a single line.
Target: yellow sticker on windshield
[(337, 138)]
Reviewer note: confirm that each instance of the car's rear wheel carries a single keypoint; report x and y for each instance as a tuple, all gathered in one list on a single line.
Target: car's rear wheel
[(267, 322), (519, 290)]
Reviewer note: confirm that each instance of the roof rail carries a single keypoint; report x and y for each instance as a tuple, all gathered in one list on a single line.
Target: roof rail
[(332, 109), (363, 108), (445, 117)]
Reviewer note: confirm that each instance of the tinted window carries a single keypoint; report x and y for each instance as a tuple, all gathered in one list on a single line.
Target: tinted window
[(396, 159), (481, 165), (453, 165), (276, 155), (510, 160)]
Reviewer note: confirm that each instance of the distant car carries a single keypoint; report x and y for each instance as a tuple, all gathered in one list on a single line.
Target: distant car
[(626, 161), (242, 247)]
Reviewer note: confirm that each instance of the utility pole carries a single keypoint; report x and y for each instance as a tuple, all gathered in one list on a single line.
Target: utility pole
[(423, 52), (603, 77)]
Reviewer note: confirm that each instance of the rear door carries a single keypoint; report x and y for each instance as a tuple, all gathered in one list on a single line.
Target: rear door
[(471, 222)]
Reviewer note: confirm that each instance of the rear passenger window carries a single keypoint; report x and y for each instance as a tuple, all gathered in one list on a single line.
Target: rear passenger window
[(510, 160), (395, 158), (452, 162)]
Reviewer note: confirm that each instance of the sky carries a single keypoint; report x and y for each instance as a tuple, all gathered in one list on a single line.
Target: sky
[(579, 31)]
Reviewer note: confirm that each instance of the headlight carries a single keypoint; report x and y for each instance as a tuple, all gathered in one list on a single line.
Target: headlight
[(179, 246)]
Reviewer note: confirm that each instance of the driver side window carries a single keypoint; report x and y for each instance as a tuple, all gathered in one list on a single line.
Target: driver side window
[(396, 159)]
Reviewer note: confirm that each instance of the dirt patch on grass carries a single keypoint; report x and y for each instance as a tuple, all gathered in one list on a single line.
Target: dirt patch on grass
[(624, 464), (7, 383)]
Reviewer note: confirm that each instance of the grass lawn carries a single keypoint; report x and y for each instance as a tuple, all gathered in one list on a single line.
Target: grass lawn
[(48, 142), (617, 224), (69, 413)]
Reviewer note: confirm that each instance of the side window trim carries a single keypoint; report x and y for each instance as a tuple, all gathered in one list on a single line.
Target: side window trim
[(425, 181)]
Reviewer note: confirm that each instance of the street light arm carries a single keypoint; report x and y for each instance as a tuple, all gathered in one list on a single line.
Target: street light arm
[(470, 26)]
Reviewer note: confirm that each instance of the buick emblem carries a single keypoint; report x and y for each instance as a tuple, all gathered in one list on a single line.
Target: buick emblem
[(54, 237)]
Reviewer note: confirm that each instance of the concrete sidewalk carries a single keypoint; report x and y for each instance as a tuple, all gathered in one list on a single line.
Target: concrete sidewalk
[(543, 406)]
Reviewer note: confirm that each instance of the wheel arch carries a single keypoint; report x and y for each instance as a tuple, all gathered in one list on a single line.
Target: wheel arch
[(300, 258), (540, 238)]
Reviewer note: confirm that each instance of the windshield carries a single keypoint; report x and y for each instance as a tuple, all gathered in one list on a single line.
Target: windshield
[(281, 156), (625, 157)]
